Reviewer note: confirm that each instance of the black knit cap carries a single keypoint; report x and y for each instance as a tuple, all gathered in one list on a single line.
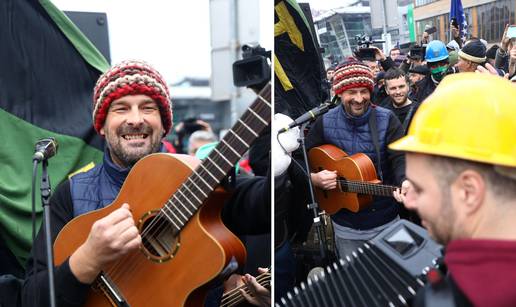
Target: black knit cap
[(491, 52), (474, 51)]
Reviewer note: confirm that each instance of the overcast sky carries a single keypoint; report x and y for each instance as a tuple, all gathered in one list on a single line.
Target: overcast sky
[(174, 36)]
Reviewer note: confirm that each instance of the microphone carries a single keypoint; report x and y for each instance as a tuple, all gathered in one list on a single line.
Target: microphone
[(312, 114), (45, 149)]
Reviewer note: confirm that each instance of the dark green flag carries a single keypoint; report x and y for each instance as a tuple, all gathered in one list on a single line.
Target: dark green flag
[(48, 71)]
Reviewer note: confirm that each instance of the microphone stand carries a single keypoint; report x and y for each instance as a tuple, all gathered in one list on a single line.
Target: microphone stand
[(313, 205), (45, 201)]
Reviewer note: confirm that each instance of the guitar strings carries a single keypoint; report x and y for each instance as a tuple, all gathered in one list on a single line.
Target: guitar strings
[(198, 182), (162, 225), (370, 188), (258, 109), (156, 225), (158, 220)]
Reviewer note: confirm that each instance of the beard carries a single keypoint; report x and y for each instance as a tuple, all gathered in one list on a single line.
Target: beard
[(128, 153), (442, 228), (355, 108), (400, 100)]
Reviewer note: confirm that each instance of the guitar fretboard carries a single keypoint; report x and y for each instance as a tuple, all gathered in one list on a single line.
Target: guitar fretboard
[(207, 176), (367, 188)]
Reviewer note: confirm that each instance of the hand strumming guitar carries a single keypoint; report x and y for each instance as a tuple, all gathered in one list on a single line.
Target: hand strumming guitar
[(326, 180), (110, 238)]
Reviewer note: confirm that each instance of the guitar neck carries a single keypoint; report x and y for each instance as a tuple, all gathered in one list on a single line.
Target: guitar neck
[(361, 187), (211, 171), (234, 297)]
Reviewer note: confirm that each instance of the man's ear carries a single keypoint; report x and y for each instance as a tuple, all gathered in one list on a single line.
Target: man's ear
[(102, 132), (472, 190)]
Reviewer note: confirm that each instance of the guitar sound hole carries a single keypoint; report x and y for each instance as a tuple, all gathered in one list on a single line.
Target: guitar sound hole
[(159, 238)]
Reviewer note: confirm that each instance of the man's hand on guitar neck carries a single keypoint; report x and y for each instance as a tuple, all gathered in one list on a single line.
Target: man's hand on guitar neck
[(326, 180), (259, 295), (401, 194), (110, 238)]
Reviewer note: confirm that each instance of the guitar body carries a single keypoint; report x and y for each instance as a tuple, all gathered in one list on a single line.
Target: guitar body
[(199, 253), (357, 167)]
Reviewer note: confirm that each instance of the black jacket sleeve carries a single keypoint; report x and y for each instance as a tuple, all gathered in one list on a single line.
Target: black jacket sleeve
[(395, 158), (502, 60), (248, 210), (405, 66), (315, 136), (387, 64), (69, 291)]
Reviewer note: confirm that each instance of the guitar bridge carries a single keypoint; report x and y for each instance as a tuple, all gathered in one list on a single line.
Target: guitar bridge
[(110, 290)]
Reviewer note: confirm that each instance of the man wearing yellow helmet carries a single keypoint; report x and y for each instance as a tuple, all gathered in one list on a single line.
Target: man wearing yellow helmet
[(461, 171)]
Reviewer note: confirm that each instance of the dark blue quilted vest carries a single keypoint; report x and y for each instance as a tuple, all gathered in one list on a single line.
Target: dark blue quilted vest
[(97, 187), (353, 135)]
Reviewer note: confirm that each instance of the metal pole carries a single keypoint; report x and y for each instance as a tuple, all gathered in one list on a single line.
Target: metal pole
[(387, 44), (234, 45)]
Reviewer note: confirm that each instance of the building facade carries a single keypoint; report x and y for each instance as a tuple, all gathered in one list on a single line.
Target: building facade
[(486, 18), (337, 30)]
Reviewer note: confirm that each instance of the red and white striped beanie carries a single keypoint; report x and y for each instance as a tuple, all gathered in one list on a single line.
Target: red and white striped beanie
[(352, 74), (132, 77)]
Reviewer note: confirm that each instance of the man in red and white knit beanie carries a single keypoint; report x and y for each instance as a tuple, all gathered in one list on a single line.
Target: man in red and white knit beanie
[(131, 78), (132, 110), (350, 129), (353, 81)]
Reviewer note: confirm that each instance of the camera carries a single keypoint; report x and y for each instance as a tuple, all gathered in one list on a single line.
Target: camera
[(432, 30), (254, 70), (191, 125), (363, 52), (417, 52)]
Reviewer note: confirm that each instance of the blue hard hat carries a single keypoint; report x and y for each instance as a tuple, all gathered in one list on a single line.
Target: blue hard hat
[(436, 51)]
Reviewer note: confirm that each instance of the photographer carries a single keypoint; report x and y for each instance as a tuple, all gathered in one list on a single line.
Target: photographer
[(184, 129), (415, 57), (455, 30), (425, 37)]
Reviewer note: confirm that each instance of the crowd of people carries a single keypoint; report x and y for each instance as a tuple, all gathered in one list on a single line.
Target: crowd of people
[(436, 123)]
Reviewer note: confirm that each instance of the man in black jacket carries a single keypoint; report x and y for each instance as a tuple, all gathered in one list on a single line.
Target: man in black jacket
[(397, 87)]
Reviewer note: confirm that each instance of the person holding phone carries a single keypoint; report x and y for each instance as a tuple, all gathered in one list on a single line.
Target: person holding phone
[(455, 31), (425, 39), (506, 45)]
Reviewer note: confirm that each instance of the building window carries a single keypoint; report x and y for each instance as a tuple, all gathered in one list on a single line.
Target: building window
[(492, 18), (423, 2)]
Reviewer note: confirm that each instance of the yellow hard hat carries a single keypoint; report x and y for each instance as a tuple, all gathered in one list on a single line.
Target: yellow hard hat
[(469, 116)]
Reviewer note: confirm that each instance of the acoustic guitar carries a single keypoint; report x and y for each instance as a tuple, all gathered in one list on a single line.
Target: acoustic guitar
[(234, 297), (356, 179), (176, 207)]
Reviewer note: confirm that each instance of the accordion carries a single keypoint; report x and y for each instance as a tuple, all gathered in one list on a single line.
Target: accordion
[(385, 271)]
